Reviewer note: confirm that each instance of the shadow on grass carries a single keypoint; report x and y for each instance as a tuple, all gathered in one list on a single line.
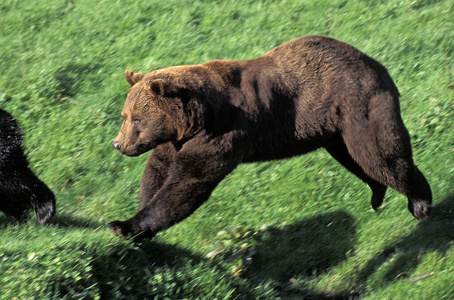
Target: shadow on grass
[(6, 220), (68, 221), (62, 220), (303, 249), (155, 270), (129, 271), (433, 234)]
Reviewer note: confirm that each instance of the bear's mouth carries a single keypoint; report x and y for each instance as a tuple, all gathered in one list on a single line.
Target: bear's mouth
[(135, 150)]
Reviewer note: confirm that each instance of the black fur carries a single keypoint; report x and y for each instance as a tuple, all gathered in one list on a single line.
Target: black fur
[(20, 189)]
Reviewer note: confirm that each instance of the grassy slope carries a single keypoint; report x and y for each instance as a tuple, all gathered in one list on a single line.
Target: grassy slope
[(62, 65)]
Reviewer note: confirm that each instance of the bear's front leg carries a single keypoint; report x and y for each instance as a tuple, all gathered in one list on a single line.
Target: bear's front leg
[(127, 228), (179, 197), (156, 172), (197, 169)]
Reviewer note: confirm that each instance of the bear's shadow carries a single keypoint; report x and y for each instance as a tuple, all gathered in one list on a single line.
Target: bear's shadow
[(308, 247), (64, 220), (433, 234), (61, 220)]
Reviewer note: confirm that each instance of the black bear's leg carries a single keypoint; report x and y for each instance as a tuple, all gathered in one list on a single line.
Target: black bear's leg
[(42, 200), (11, 207), (339, 152), (156, 171), (25, 191)]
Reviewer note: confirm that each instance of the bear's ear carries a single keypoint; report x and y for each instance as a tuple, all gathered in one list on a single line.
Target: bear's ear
[(133, 78), (165, 89)]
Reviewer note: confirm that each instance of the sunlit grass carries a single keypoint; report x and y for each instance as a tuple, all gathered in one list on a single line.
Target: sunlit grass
[(308, 220)]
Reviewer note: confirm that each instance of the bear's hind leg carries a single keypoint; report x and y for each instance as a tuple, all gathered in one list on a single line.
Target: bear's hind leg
[(402, 175), (340, 153), (419, 196), (399, 173), (43, 202), (381, 145)]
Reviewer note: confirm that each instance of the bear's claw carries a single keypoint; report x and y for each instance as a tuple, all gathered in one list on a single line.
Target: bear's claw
[(125, 229), (119, 228)]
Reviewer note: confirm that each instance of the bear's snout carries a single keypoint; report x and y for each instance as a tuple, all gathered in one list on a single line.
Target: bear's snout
[(116, 145)]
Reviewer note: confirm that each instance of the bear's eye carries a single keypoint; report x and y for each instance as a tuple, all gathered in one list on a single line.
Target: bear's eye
[(136, 121)]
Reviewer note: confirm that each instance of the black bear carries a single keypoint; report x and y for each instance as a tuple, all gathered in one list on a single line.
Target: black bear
[(20, 189), (313, 92)]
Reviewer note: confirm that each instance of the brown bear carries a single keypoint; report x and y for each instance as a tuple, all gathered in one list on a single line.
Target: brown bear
[(203, 120)]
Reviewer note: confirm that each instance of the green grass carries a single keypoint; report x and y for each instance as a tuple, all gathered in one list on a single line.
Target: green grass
[(306, 223)]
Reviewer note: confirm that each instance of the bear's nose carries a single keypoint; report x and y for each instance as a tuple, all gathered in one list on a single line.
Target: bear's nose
[(116, 145)]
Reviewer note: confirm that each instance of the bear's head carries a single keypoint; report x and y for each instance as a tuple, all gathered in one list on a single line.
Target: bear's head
[(154, 111)]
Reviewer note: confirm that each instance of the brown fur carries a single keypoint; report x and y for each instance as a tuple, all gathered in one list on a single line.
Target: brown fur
[(204, 120)]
